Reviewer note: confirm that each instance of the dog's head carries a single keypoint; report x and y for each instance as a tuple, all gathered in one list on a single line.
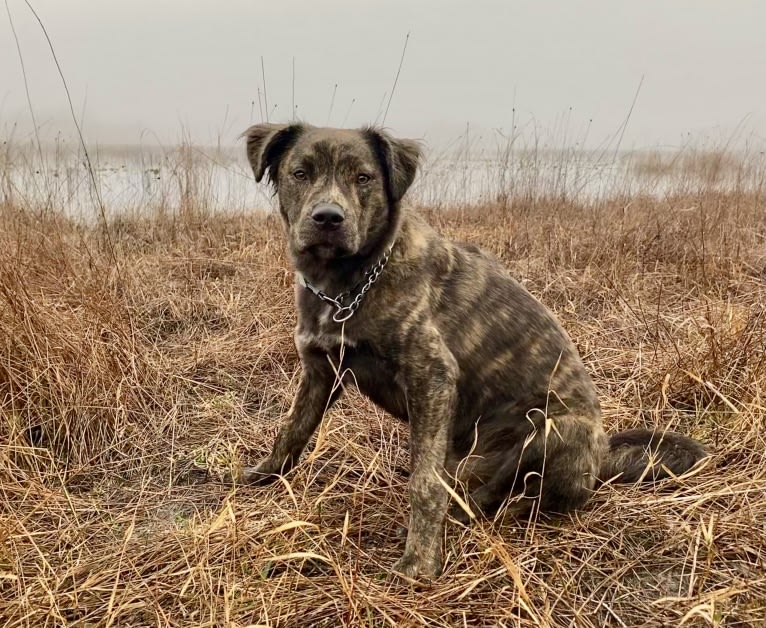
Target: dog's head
[(339, 189)]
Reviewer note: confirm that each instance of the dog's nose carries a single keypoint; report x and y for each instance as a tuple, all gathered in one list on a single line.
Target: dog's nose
[(327, 216)]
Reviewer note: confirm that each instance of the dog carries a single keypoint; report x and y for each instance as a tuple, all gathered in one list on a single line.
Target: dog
[(438, 334)]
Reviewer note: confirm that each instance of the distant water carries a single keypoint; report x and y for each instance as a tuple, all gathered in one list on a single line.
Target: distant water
[(136, 179)]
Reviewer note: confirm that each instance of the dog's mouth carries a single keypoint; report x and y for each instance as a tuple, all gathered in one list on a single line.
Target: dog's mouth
[(325, 245), (324, 250)]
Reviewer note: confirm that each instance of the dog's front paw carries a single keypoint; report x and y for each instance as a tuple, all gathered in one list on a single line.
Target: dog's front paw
[(419, 567), (262, 473)]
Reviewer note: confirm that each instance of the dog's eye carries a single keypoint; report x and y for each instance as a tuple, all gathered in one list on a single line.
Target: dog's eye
[(363, 178), (300, 175)]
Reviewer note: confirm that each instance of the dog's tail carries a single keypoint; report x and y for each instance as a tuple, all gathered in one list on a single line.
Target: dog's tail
[(645, 455)]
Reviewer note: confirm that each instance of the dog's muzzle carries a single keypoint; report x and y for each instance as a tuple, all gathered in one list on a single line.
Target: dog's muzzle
[(328, 229)]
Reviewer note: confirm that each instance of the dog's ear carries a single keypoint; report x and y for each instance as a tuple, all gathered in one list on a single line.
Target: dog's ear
[(267, 144), (399, 160)]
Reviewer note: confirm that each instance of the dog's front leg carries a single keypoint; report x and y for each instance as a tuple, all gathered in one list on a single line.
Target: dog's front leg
[(431, 386), (316, 393)]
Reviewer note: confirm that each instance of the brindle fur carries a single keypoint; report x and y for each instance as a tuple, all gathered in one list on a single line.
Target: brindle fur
[(496, 396)]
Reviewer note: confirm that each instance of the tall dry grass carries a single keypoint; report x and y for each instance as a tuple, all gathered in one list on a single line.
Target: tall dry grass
[(140, 358)]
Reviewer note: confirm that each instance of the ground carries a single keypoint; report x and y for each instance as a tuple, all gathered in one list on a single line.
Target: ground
[(140, 357)]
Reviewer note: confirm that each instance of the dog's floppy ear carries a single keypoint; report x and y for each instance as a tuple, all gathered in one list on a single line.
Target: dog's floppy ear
[(398, 158), (267, 144)]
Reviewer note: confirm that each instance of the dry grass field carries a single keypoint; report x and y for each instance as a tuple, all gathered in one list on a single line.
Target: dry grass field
[(142, 356)]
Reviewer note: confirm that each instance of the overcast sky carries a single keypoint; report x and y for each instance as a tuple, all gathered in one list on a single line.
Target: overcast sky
[(157, 66)]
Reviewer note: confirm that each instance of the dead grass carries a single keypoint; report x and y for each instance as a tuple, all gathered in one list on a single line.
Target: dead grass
[(708, 166), (125, 388)]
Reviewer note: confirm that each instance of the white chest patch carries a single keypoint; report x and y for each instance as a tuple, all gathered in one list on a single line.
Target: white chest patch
[(320, 330), (327, 335)]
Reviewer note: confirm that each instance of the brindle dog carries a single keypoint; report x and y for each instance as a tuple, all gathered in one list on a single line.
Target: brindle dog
[(496, 396)]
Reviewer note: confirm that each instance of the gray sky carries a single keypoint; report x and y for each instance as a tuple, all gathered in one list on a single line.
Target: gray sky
[(160, 65)]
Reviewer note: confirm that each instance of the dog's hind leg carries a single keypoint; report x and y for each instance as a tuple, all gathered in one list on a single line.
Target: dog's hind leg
[(549, 463)]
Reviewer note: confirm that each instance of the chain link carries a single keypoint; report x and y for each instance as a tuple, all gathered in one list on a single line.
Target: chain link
[(345, 312)]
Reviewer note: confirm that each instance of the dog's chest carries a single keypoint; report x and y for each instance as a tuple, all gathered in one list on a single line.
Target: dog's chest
[(317, 328)]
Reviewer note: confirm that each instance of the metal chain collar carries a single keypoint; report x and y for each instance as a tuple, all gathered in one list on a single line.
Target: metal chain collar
[(344, 312)]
